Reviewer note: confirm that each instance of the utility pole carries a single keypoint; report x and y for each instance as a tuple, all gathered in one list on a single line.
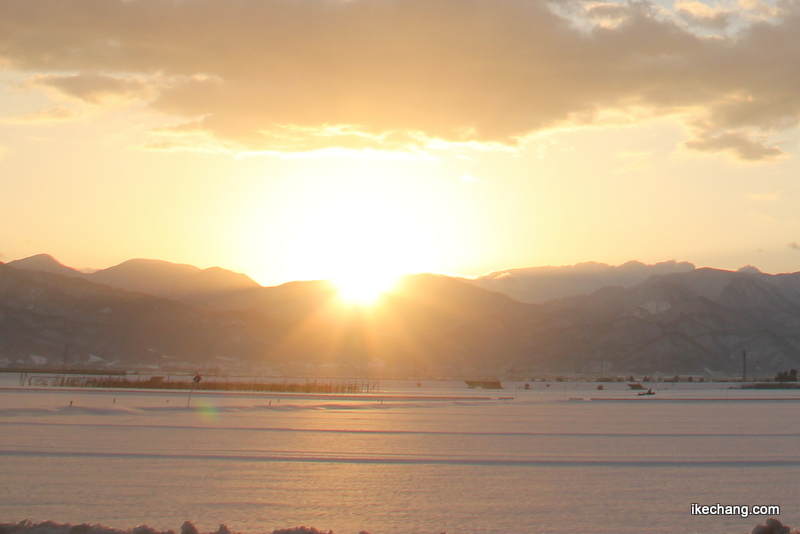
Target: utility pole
[(744, 366), (66, 358)]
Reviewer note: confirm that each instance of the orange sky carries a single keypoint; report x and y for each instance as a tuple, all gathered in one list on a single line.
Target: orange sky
[(306, 138)]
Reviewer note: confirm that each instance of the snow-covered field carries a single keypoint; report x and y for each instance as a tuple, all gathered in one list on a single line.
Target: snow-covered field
[(430, 458)]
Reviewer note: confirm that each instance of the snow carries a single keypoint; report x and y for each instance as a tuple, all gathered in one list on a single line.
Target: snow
[(408, 460)]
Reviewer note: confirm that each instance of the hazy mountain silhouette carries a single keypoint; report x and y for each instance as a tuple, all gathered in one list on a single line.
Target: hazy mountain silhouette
[(43, 312), (696, 321), (45, 263), (540, 284), (154, 277), (428, 324), (432, 323)]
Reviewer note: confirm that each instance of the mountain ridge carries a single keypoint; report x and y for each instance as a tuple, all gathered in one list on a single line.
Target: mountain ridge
[(535, 285), (683, 321), (155, 277), (45, 263)]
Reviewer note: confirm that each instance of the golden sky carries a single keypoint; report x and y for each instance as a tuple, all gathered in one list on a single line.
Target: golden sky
[(297, 139)]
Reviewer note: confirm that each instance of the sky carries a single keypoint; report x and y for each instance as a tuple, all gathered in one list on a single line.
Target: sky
[(303, 139)]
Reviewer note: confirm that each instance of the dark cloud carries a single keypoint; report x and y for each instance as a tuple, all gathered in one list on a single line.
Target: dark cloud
[(93, 88), (300, 74), (736, 143)]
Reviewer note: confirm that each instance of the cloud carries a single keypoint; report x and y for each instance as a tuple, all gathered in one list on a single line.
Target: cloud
[(699, 14), (56, 114), (93, 88), (794, 245), (296, 75), (3, 151), (738, 143)]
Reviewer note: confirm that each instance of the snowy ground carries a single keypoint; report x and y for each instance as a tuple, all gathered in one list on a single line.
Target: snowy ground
[(410, 459)]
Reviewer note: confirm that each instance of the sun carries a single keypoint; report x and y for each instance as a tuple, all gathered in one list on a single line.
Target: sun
[(363, 243), (364, 289)]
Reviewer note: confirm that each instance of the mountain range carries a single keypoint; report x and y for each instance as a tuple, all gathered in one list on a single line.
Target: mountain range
[(540, 284), (155, 277), (669, 318)]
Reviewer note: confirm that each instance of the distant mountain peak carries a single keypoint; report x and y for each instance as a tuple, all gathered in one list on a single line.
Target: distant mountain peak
[(45, 263), (166, 279), (750, 269), (151, 264), (154, 277), (540, 284), (38, 259)]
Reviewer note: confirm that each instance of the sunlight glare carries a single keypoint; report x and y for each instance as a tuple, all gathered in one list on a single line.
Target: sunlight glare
[(364, 289), (363, 243)]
